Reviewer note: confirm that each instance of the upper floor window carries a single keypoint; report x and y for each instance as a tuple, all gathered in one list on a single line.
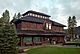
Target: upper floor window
[(33, 14), (43, 17), (36, 15), (30, 14), (49, 26), (40, 16), (46, 25)]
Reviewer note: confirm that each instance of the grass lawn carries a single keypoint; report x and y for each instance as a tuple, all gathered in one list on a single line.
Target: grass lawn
[(53, 50)]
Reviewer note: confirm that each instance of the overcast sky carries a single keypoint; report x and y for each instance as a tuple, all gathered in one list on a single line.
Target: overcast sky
[(59, 10)]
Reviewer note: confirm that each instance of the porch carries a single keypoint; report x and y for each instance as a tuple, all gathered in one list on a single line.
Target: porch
[(39, 40)]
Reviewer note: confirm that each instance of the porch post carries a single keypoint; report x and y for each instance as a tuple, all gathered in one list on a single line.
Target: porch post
[(41, 39), (21, 41), (50, 39), (32, 40)]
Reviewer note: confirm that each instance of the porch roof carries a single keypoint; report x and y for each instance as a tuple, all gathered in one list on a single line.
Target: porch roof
[(35, 32)]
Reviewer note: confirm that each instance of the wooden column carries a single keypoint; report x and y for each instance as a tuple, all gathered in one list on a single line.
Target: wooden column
[(33, 40), (21, 40), (41, 39)]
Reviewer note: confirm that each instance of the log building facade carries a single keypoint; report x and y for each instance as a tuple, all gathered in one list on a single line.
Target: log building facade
[(35, 28)]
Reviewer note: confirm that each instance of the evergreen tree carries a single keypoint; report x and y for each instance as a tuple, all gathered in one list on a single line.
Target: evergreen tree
[(19, 15), (71, 27), (8, 36), (69, 24), (15, 16), (74, 24), (6, 16)]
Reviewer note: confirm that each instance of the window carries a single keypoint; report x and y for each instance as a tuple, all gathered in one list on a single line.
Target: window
[(46, 25), (47, 18), (36, 39), (43, 17), (38, 15), (33, 14), (30, 14), (27, 39), (49, 26)]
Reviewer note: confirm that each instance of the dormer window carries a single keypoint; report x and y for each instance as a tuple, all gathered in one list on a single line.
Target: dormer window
[(33, 14), (30, 14), (47, 18), (38, 16), (43, 17)]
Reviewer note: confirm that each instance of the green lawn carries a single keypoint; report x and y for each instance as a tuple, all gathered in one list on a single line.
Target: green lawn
[(54, 50)]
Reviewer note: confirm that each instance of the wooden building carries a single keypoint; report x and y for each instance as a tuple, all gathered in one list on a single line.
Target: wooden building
[(35, 28)]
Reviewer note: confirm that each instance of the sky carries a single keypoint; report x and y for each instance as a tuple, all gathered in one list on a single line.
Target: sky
[(59, 10)]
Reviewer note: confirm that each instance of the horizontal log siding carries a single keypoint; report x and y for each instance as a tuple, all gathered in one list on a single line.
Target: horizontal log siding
[(31, 26)]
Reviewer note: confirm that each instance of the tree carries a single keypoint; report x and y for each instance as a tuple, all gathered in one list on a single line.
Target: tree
[(8, 36), (6, 16), (71, 26), (74, 24), (19, 15), (15, 16)]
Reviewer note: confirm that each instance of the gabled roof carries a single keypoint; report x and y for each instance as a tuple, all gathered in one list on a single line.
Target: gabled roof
[(57, 24), (36, 13), (32, 19), (28, 19), (35, 19)]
